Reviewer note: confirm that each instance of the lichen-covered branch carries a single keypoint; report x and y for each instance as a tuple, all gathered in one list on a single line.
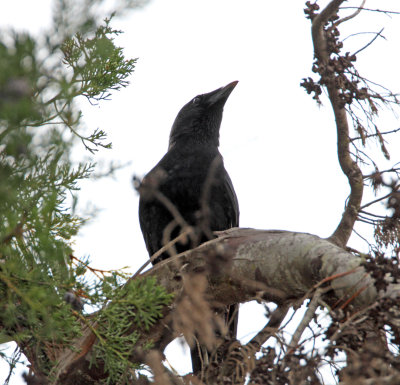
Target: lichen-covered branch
[(294, 264)]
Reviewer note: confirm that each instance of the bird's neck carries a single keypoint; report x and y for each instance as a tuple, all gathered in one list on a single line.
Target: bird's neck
[(194, 139)]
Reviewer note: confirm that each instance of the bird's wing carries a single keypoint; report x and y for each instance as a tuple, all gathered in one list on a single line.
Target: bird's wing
[(232, 198)]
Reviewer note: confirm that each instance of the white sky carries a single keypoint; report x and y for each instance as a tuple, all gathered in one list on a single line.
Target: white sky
[(278, 146)]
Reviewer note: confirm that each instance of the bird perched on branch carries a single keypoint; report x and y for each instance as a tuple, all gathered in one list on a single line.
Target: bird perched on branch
[(189, 188)]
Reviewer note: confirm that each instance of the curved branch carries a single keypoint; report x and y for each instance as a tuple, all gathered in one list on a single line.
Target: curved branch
[(354, 14), (349, 167)]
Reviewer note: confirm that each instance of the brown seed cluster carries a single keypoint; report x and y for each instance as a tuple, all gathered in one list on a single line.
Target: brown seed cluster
[(339, 71)]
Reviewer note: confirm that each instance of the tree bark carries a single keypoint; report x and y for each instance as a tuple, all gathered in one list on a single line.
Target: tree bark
[(277, 266), (324, 52)]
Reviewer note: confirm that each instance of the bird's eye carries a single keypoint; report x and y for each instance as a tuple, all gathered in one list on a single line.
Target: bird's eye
[(196, 100)]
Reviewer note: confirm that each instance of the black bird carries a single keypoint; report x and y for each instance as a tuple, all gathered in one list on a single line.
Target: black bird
[(190, 186)]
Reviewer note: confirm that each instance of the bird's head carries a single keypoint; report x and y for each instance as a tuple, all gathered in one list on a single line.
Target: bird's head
[(199, 120)]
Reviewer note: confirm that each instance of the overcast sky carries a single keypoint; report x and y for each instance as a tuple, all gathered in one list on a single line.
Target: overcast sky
[(278, 146)]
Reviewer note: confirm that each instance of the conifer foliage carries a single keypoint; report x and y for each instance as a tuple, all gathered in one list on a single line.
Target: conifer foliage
[(43, 286)]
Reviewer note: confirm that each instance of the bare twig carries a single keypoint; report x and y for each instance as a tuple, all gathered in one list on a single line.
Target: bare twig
[(359, 9), (150, 191), (359, 33), (394, 169), (158, 195), (355, 295), (373, 215), (312, 307), (350, 320), (360, 236), (374, 10), (374, 135), (379, 199), (367, 45), (166, 247)]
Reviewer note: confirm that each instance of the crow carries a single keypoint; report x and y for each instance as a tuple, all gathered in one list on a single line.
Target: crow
[(190, 187)]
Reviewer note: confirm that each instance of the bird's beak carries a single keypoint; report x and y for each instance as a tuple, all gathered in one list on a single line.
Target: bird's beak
[(221, 94)]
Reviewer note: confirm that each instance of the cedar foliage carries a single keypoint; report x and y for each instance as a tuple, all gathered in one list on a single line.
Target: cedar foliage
[(43, 286)]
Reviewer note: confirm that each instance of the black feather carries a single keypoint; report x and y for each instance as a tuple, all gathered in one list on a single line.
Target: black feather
[(192, 177)]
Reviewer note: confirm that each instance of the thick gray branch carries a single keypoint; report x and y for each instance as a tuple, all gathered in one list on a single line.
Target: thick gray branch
[(272, 265)]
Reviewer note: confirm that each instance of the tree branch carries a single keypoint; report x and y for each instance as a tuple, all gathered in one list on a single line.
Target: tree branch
[(370, 42), (354, 14), (312, 307), (323, 51), (292, 263), (275, 320)]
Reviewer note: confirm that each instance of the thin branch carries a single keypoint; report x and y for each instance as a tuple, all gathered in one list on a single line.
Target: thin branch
[(312, 307), (373, 215), (367, 45), (390, 170), (359, 33), (376, 134), (374, 10), (331, 278), (359, 9), (350, 320), (379, 199), (166, 247), (367, 81), (365, 219), (355, 295), (368, 222), (271, 327), (365, 155)]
